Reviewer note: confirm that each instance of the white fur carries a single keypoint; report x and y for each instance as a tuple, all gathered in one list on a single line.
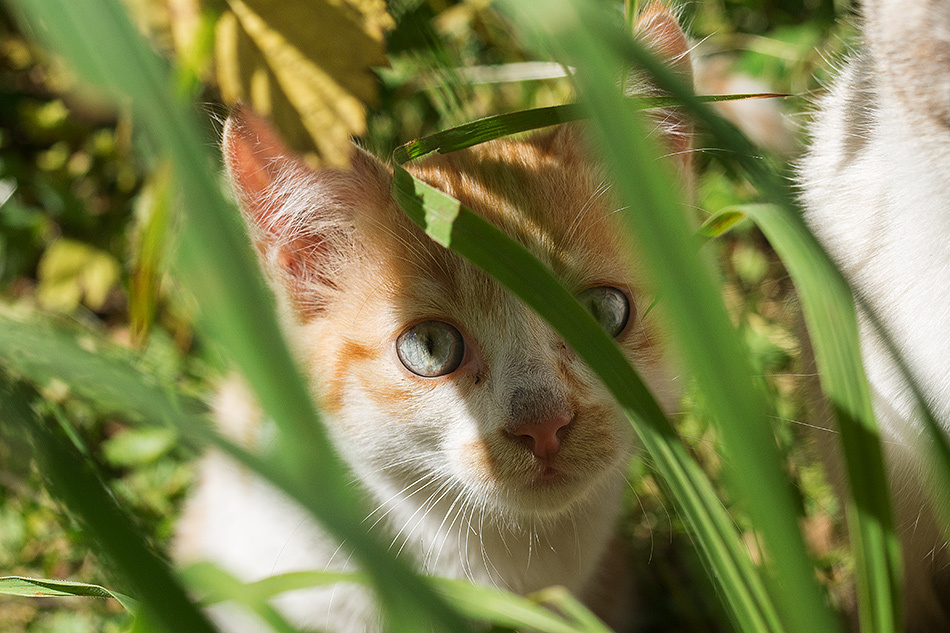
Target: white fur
[(430, 503), (876, 184)]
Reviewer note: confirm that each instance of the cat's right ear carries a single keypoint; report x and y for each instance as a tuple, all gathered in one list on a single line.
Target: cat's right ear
[(302, 220)]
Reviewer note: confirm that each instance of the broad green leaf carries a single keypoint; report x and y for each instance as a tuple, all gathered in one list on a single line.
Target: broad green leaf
[(46, 588), (284, 58)]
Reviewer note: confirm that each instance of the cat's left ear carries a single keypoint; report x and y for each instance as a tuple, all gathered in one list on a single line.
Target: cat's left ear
[(302, 220)]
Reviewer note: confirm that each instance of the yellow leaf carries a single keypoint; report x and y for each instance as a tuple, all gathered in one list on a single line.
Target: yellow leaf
[(305, 65), (71, 272)]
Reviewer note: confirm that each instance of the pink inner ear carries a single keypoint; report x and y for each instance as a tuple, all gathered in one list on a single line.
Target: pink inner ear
[(302, 220), (255, 156)]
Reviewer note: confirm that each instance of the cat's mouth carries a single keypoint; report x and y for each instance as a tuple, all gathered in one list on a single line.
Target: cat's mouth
[(548, 475)]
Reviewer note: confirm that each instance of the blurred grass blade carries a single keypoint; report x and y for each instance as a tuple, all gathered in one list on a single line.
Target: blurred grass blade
[(46, 588), (105, 374), (454, 226), (492, 127), (492, 605), (74, 482), (92, 368), (483, 604), (203, 578), (153, 215), (217, 265), (217, 585), (562, 600)]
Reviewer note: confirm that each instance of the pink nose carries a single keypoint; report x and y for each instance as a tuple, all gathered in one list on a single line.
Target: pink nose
[(542, 435)]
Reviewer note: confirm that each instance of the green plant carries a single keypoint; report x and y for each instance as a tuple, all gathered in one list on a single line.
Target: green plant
[(775, 595)]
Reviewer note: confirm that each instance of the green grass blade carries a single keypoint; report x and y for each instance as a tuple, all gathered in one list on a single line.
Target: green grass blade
[(583, 35), (833, 327), (562, 600), (105, 374), (44, 350), (939, 442), (831, 320), (217, 585), (722, 222), (48, 588), (492, 127), (456, 227)]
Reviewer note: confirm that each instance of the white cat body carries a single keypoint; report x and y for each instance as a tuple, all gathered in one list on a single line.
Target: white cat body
[(876, 186), (884, 214)]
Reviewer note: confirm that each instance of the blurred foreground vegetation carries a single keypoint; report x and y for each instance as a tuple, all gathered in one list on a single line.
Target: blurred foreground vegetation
[(83, 232)]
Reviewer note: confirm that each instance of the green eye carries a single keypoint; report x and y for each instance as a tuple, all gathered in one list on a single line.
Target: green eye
[(430, 349), (608, 305)]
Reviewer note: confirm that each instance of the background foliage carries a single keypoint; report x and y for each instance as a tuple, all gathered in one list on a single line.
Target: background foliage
[(82, 233)]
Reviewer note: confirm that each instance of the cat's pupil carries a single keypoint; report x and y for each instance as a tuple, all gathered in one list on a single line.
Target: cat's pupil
[(431, 348), (608, 306)]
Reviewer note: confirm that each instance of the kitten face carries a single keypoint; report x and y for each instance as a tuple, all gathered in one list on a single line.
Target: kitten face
[(436, 380), (520, 423)]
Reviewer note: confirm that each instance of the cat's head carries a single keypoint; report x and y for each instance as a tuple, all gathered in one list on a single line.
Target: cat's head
[(431, 375)]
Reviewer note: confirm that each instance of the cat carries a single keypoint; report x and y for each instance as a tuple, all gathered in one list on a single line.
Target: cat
[(489, 450), (876, 188)]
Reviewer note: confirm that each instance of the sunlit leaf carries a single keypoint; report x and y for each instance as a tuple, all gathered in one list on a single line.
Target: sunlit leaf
[(134, 447), (305, 65), (721, 223), (72, 272)]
